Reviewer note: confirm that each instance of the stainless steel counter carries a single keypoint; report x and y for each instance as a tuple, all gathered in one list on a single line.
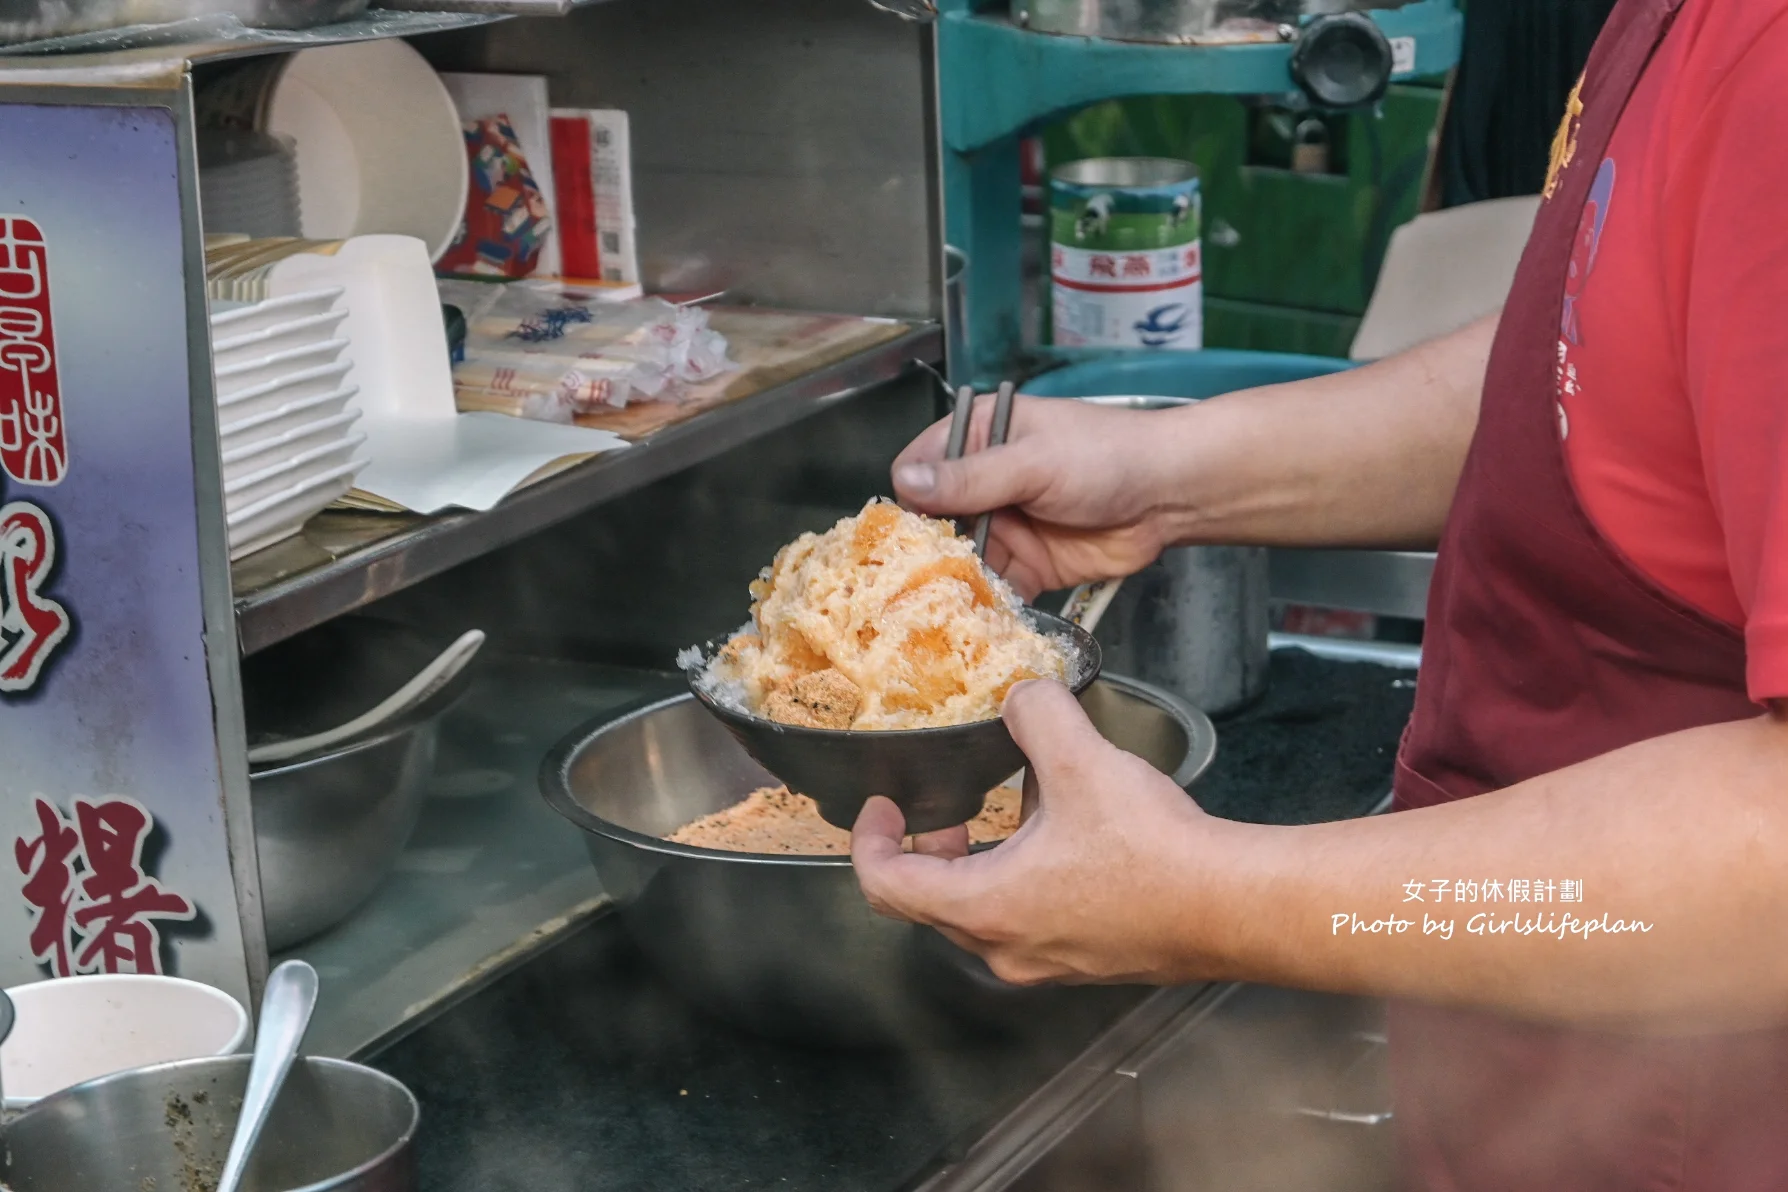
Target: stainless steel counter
[(548, 1053)]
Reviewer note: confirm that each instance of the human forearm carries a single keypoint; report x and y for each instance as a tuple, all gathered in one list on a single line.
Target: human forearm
[(1367, 457), (1686, 833)]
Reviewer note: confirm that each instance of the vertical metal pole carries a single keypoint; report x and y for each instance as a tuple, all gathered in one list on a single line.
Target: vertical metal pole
[(222, 657), (983, 199)]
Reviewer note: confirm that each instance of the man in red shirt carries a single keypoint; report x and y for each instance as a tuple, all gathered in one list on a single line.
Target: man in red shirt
[(1605, 468)]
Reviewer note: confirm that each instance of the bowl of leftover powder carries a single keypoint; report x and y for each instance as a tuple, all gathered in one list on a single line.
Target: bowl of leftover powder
[(762, 923)]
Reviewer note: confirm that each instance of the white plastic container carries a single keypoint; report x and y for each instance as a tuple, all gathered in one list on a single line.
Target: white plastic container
[(236, 409), (283, 474), (276, 518), (239, 320), (292, 333), (264, 423), (255, 375), (380, 148), (75, 1029), (254, 453)]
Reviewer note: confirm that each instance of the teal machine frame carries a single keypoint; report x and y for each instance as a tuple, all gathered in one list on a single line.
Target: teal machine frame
[(998, 82)]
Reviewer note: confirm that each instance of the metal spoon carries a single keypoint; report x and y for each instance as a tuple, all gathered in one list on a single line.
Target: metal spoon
[(1087, 603), (411, 695), (286, 1006)]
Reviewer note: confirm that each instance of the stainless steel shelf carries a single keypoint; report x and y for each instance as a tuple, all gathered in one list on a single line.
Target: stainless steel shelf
[(1390, 583), (514, 8), (492, 875), (102, 52), (347, 560)]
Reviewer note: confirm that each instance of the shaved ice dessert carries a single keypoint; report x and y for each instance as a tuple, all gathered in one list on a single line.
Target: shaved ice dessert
[(889, 620)]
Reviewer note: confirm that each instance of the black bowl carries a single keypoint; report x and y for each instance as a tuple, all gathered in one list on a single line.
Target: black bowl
[(938, 777)]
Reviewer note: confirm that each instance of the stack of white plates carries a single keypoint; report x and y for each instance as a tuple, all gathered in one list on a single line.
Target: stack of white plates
[(285, 414)]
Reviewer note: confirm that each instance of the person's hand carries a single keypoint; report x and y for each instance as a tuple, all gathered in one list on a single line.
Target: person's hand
[(1092, 888), (1074, 489)]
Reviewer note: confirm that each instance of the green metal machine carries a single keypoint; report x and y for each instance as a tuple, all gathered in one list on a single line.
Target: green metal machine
[(1290, 255)]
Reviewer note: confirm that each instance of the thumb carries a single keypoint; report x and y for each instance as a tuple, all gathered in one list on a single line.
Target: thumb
[(1054, 733), (991, 479)]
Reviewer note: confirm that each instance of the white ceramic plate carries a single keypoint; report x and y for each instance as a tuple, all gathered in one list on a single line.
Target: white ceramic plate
[(285, 474), (246, 455), (241, 320), (75, 1029), (379, 143)]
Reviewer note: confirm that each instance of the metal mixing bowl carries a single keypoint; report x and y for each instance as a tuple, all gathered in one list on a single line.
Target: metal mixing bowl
[(330, 826), (338, 1127), (785, 945)]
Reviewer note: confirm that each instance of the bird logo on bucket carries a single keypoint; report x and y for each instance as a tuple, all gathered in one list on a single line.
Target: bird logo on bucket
[(1163, 325)]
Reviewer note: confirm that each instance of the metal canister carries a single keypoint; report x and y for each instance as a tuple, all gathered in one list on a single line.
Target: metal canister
[(1195, 620), (1125, 265), (1169, 22)]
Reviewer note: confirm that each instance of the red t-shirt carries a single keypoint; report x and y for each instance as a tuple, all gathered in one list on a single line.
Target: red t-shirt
[(1673, 356)]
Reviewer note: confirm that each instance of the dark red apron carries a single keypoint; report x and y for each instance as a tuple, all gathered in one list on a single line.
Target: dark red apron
[(1545, 647)]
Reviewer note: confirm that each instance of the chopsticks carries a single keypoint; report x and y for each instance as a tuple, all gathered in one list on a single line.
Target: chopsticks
[(959, 428), (1088, 602)]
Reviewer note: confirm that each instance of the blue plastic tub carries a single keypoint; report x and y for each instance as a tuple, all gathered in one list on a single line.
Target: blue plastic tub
[(1180, 374)]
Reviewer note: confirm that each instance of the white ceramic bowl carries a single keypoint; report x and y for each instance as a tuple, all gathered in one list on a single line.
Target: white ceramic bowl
[(75, 1029), (378, 140)]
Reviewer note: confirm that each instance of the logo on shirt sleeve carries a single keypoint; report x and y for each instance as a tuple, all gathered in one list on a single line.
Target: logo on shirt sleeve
[(1564, 142), (1577, 271), (1583, 251)]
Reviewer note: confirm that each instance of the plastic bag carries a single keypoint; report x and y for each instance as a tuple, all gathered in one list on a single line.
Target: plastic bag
[(543, 350)]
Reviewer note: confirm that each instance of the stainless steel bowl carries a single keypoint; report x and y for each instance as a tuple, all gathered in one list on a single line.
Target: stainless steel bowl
[(1196, 620), (781, 945), (330, 826), (338, 1127), (329, 829)]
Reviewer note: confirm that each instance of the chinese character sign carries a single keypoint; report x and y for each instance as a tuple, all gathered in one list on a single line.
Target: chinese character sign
[(33, 442), (32, 625), (122, 786), (93, 908)]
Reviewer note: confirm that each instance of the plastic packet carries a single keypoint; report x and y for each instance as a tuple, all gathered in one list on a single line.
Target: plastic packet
[(543, 350)]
